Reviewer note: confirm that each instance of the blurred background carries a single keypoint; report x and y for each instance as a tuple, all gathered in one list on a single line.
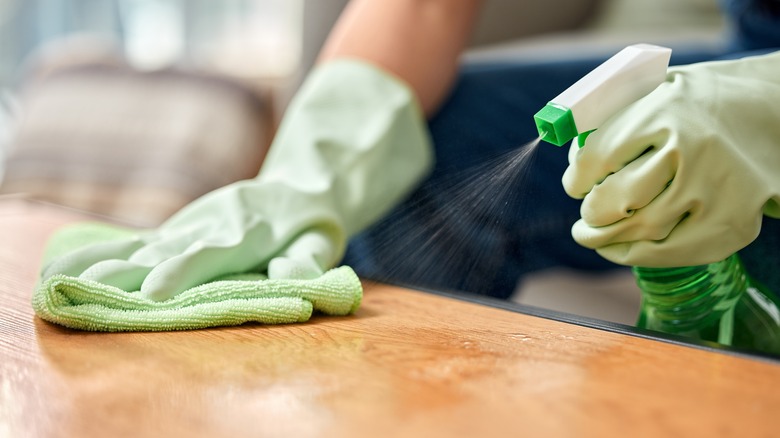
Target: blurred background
[(133, 108)]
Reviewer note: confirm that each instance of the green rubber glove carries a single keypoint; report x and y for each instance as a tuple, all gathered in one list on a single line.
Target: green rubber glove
[(352, 143), (683, 176)]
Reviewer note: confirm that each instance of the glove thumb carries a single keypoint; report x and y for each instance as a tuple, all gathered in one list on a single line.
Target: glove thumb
[(306, 258)]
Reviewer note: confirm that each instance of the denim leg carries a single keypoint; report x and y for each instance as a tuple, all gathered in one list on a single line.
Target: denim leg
[(463, 230)]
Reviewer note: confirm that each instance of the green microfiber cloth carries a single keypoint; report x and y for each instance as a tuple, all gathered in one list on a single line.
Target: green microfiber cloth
[(232, 300)]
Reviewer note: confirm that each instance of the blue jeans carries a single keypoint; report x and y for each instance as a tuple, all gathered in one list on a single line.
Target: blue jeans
[(479, 223)]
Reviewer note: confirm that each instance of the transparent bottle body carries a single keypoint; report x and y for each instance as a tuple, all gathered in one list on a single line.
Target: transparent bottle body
[(717, 302)]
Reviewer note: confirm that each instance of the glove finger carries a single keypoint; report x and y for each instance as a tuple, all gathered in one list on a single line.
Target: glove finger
[(76, 262), (675, 229), (684, 246), (705, 236), (122, 274), (288, 268), (625, 231), (621, 194), (307, 257), (653, 222), (205, 259), (607, 150), (171, 244)]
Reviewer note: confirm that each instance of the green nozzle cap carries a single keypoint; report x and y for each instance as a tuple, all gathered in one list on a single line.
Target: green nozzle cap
[(555, 124)]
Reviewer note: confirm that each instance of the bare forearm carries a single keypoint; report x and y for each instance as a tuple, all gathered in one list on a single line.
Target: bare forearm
[(419, 41)]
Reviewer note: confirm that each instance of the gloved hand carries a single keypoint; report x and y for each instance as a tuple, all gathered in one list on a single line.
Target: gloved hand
[(352, 143), (682, 176)]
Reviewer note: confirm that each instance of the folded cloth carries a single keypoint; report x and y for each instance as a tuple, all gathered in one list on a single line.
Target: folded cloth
[(231, 300)]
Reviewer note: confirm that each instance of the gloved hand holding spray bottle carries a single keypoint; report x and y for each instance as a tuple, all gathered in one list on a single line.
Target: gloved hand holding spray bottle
[(654, 178)]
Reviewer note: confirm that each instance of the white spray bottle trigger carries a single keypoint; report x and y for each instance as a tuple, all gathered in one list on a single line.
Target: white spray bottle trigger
[(621, 80)]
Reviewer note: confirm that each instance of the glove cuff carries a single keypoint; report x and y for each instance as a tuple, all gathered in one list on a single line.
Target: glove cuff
[(357, 133)]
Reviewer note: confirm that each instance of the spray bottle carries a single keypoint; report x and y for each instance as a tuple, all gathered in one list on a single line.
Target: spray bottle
[(718, 302)]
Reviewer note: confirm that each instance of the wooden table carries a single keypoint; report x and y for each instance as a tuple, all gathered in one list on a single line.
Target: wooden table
[(409, 363)]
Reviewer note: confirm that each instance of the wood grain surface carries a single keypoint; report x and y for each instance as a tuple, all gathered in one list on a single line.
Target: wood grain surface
[(409, 363)]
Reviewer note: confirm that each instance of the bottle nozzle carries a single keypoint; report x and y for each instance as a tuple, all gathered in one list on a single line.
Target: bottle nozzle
[(555, 124), (621, 80)]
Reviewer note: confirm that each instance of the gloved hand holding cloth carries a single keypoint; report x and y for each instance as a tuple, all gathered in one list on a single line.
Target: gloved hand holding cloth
[(683, 176), (352, 143)]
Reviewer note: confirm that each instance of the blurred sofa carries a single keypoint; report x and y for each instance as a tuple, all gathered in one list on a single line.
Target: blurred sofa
[(97, 135)]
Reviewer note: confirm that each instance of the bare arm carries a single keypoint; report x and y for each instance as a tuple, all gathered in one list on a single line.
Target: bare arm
[(419, 41)]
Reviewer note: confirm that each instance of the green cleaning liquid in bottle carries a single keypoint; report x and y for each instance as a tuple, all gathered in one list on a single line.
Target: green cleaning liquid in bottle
[(717, 302)]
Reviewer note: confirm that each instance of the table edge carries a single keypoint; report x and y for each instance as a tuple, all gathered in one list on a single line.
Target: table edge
[(584, 321)]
